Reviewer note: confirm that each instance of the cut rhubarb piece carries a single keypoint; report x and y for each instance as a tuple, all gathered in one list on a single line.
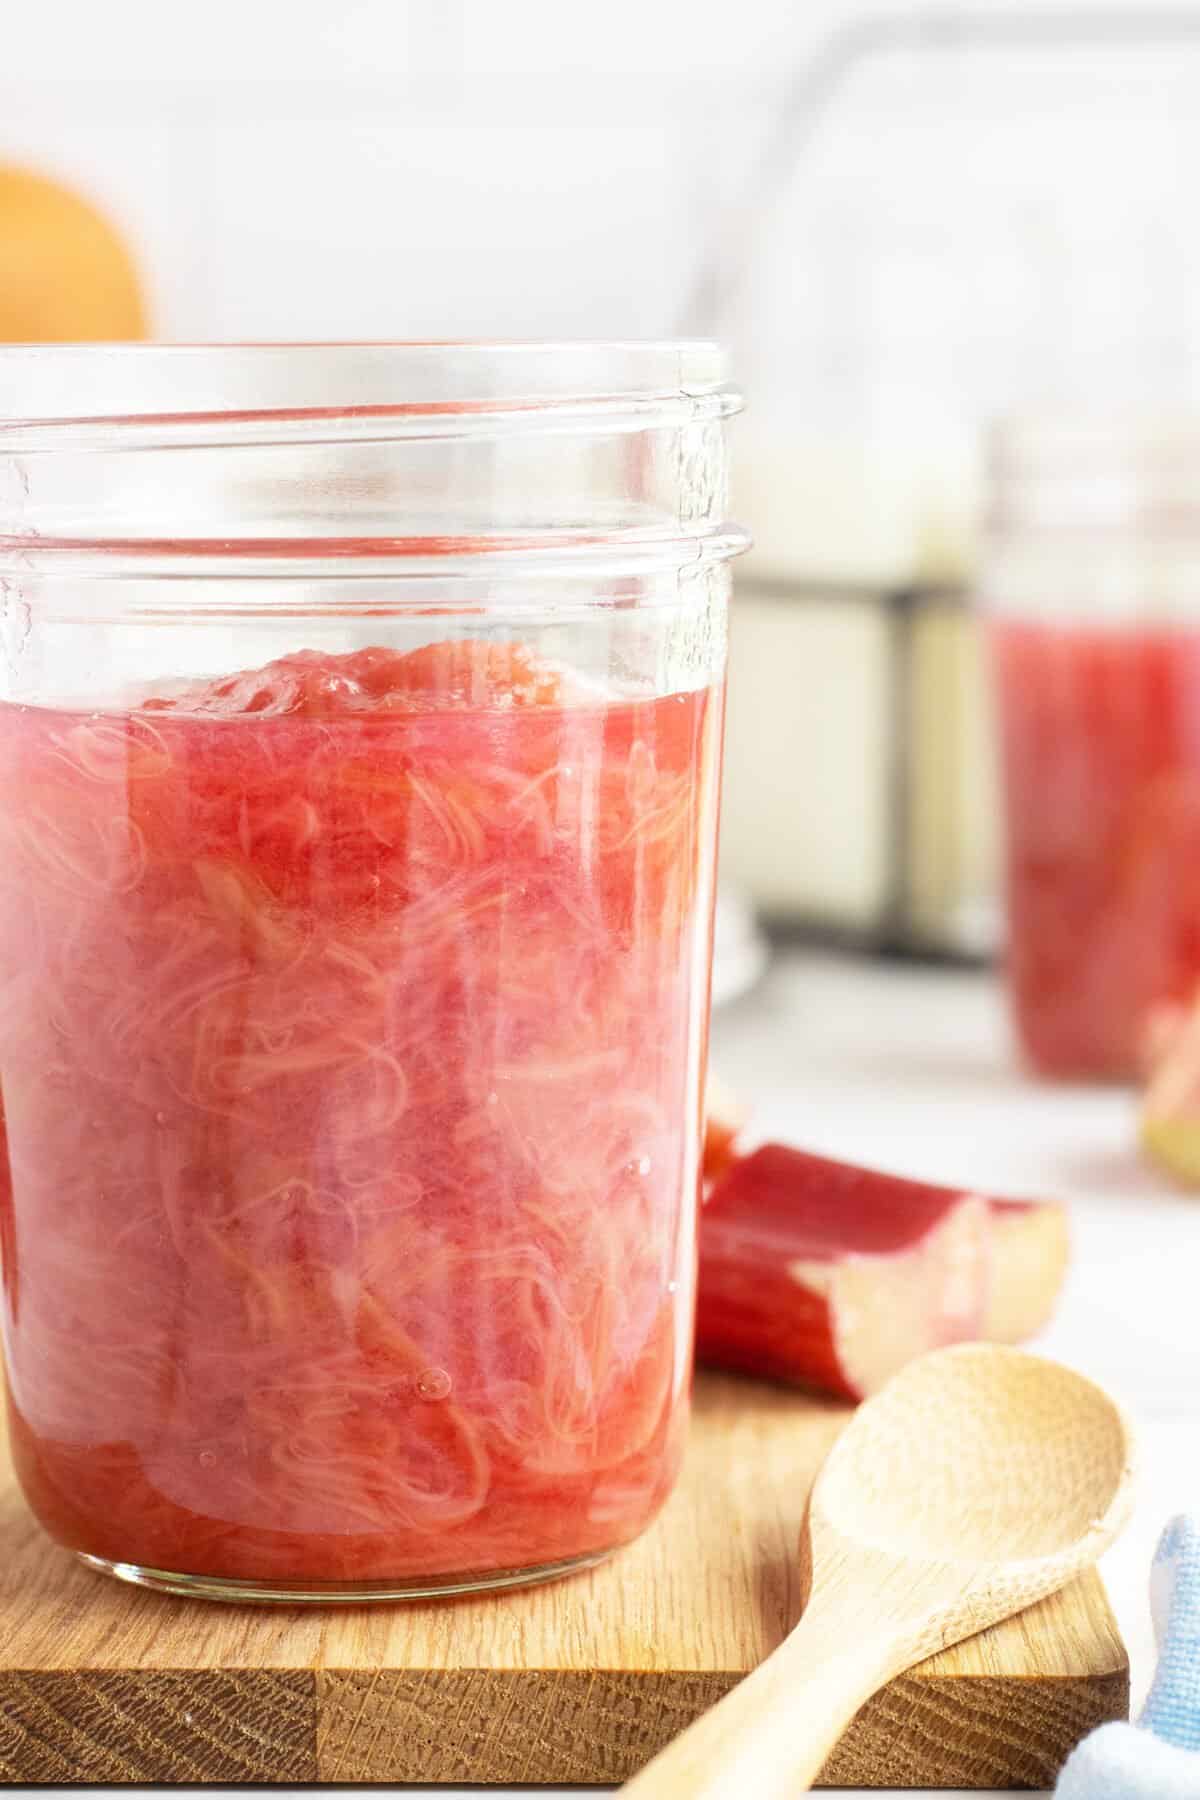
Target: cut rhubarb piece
[(1030, 1247), (1164, 1028), (833, 1277), (724, 1117), (1170, 1123)]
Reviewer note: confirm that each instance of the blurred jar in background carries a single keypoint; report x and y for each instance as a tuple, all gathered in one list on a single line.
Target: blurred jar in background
[(1091, 584)]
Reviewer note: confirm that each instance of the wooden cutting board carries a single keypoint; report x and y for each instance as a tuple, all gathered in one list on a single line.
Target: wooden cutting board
[(580, 1681)]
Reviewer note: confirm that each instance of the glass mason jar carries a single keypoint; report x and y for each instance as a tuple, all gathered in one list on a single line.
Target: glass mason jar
[(1092, 586), (359, 753)]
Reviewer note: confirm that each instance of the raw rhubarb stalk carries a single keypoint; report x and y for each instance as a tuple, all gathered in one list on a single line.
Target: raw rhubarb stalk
[(832, 1276), (1170, 1117)]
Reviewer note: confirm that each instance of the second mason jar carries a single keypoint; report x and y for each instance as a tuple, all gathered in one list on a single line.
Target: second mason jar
[(1092, 587), (359, 753)]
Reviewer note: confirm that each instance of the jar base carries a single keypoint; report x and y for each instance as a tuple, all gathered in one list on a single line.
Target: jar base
[(336, 1593)]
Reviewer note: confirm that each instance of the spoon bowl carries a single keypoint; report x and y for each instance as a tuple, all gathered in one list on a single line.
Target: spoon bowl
[(979, 1480), (980, 1453)]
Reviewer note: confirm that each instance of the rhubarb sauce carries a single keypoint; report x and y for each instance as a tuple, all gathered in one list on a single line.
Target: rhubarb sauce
[(349, 1011)]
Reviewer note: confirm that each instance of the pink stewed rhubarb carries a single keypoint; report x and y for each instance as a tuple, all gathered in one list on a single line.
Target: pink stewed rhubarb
[(348, 1014)]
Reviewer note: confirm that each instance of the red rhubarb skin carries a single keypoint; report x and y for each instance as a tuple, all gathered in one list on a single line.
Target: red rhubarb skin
[(420, 1311), (780, 1206)]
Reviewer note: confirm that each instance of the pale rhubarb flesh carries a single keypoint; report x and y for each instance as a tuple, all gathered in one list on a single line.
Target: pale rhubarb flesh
[(1170, 1114), (1031, 1245)]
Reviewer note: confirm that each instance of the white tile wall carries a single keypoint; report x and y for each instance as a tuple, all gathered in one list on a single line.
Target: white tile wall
[(401, 167), (713, 39), (377, 226), (445, 166), (156, 48), (959, 232)]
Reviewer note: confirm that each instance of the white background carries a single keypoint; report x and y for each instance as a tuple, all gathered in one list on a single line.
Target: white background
[(453, 167), (398, 167), (965, 235)]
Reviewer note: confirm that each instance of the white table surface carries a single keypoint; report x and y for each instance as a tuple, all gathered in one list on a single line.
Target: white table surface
[(913, 1069)]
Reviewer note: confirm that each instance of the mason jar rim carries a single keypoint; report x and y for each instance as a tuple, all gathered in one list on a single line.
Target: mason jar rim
[(307, 460), (1094, 469), (256, 392)]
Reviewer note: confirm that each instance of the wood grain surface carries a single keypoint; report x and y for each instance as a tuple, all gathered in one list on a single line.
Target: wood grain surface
[(580, 1681), (980, 1480)]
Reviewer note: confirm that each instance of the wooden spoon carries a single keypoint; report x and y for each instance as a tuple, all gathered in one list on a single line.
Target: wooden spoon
[(977, 1481)]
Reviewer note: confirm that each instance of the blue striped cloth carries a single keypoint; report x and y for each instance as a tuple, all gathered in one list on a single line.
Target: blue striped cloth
[(1159, 1757)]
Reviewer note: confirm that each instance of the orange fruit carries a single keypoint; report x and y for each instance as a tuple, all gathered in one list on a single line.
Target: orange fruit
[(65, 273)]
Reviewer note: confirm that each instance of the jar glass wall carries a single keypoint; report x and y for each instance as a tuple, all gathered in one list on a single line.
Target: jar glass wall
[(359, 752)]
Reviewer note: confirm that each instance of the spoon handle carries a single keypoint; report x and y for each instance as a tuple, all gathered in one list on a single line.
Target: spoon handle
[(772, 1734)]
